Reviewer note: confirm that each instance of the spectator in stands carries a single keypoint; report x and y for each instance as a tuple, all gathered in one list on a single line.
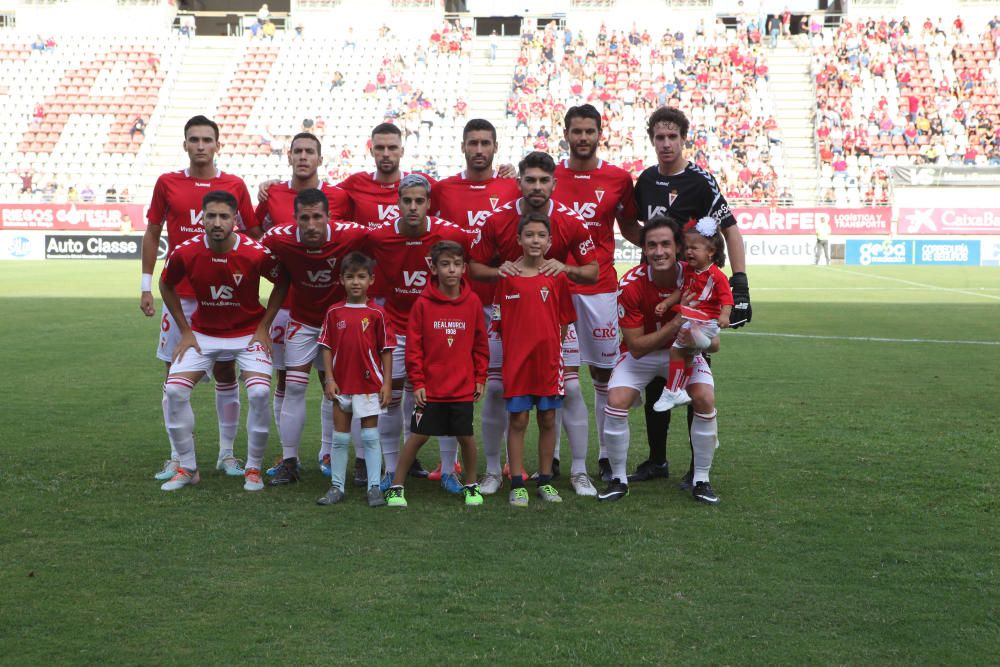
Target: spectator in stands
[(263, 15), (38, 115), (38, 44), (111, 195), (87, 194), (774, 28), (153, 62), (138, 126), (269, 30), (72, 194), (27, 177), (349, 41), (299, 29), (186, 25), (786, 22), (494, 43)]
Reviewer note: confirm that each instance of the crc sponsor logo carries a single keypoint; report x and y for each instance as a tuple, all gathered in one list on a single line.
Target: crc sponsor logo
[(92, 247), (607, 332)]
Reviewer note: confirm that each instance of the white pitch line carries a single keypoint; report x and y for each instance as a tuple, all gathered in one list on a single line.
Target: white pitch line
[(865, 339), (859, 289), (916, 284)]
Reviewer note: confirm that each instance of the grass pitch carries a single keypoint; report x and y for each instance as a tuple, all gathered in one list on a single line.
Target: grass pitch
[(859, 523)]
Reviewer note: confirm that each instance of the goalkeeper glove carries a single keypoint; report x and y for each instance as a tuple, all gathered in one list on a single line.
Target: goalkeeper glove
[(742, 313)]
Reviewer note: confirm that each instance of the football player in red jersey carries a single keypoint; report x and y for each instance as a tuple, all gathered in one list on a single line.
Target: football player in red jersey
[(468, 197), (176, 203), (646, 339), (600, 193), (223, 269), (311, 250), (496, 253), (401, 251), (277, 207)]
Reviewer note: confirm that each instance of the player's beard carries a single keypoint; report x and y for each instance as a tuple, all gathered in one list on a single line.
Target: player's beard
[(576, 153)]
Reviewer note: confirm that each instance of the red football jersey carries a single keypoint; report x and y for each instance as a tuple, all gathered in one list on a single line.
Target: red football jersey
[(711, 289), (315, 272), (279, 207), (227, 286), (638, 296), (402, 264), (598, 196), (528, 314), (374, 203), (468, 203), (357, 334), (497, 242), (176, 203)]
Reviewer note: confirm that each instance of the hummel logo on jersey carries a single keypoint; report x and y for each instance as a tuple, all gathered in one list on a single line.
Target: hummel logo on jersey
[(388, 213), (587, 210), (545, 294), (600, 195), (202, 185), (415, 278), (221, 292), (238, 277), (511, 297), (364, 323), (582, 176), (220, 260), (323, 276), (665, 184)]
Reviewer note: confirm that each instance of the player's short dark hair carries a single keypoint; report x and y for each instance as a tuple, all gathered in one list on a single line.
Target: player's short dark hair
[(386, 128), (201, 121), (660, 222), (583, 111), (357, 260), (307, 135), (531, 217), (442, 248), (718, 245), (537, 160), (668, 115), (479, 125), (220, 197), (311, 197)]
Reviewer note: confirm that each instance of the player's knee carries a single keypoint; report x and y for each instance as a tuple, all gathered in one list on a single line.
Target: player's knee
[(519, 421), (706, 415), (259, 390), (178, 390), (341, 440), (546, 419), (615, 420), (296, 384)]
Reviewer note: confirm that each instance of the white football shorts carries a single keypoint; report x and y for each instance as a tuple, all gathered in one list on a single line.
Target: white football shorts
[(170, 335), (250, 358), (597, 328), (360, 405), (302, 345), (279, 329), (637, 373)]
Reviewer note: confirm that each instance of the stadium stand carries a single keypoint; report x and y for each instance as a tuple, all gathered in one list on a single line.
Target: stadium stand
[(890, 93), (716, 76), (68, 107)]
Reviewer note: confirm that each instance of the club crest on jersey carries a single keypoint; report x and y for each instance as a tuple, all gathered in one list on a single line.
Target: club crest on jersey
[(331, 262), (672, 197), (238, 277), (494, 200), (451, 339), (428, 260), (599, 193), (545, 294), (417, 416), (364, 323)]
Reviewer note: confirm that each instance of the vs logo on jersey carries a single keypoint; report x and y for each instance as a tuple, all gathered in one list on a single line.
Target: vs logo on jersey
[(221, 292), (478, 218), (587, 210), (415, 278), (321, 277), (388, 213)]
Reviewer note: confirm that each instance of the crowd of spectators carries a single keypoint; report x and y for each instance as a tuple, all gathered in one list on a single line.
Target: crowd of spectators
[(32, 186), (890, 93), (714, 74)]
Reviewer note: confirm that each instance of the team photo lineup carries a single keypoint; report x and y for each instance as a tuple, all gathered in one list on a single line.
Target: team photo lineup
[(415, 298)]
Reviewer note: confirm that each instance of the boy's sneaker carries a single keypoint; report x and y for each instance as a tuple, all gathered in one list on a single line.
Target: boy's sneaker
[(181, 478), (394, 497), (417, 470), (333, 496), (648, 470), (273, 469), (604, 469), (386, 481), (360, 473), (582, 484), (473, 498), (490, 483), (703, 492), (252, 480), (451, 483), (324, 465), (519, 497), (375, 497), (671, 399), (548, 493), (170, 467), (287, 473), (231, 465), (615, 491)]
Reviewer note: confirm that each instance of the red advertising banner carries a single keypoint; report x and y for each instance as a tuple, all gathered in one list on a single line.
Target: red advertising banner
[(73, 217), (843, 221), (927, 221)]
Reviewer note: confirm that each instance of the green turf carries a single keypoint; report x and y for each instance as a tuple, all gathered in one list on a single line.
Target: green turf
[(858, 523)]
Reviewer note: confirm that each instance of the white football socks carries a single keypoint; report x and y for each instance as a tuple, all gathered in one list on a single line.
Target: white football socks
[(600, 402), (258, 419), (494, 421), (390, 427), (616, 434), (227, 408), (704, 440), (574, 420), (293, 413), (326, 427), (180, 419)]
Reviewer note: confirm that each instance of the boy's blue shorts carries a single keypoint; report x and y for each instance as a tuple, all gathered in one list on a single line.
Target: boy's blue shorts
[(525, 403)]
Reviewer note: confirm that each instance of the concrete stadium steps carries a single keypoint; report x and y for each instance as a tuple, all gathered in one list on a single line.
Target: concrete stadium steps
[(491, 81), (792, 91)]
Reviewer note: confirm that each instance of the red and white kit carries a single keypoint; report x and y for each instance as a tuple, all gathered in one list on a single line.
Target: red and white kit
[(599, 196), (357, 334), (637, 300), (227, 291), (447, 341), (711, 289), (529, 314), (375, 204), (402, 267), (315, 281), (176, 204)]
